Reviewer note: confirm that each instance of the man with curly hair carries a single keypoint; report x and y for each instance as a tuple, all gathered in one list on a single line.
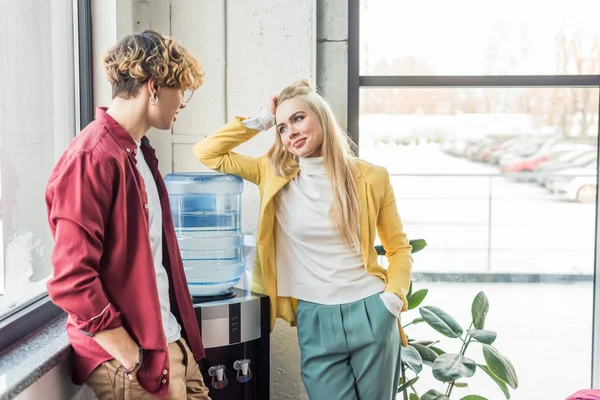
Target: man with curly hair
[(117, 268)]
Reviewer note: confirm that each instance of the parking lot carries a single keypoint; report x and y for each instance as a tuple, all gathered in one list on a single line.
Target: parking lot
[(478, 220)]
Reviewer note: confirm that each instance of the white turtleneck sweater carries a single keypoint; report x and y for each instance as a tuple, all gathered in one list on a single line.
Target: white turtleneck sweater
[(313, 262)]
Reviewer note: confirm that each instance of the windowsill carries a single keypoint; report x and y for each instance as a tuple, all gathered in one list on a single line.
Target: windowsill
[(28, 360), (22, 296)]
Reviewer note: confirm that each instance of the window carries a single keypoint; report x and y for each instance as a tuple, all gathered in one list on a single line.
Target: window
[(470, 37), (488, 124), (493, 159), (39, 116)]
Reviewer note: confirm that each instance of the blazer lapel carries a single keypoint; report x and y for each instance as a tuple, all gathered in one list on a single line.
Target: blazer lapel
[(275, 184), (266, 230), (363, 204)]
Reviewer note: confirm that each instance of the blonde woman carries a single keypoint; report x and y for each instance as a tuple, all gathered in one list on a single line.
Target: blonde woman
[(320, 209)]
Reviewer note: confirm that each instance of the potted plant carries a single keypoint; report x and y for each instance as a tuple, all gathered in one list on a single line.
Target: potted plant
[(451, 368)]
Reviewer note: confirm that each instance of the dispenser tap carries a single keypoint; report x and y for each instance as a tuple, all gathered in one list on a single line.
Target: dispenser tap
[(219, 379), (244, 374)]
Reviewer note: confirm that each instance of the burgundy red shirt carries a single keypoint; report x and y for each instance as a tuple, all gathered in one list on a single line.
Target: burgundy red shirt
[(103, 268)]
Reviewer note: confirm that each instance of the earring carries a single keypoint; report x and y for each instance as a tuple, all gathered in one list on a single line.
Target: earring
[(154, 99)]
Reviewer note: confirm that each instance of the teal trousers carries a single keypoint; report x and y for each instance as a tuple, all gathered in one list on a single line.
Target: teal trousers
[(349, 351)]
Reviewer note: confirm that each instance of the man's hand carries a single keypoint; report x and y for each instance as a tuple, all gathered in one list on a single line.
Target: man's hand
[(119, 344), (133, 373)]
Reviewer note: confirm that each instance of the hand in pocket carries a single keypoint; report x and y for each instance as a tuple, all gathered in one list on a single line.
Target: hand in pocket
[(392, 302)]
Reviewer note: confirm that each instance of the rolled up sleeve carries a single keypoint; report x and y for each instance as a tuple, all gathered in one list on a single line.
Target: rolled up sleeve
[(79, 201)]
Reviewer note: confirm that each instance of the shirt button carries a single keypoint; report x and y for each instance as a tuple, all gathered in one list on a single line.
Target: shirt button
[(165, 372), (164, 381), (128, 150), (146, 205)]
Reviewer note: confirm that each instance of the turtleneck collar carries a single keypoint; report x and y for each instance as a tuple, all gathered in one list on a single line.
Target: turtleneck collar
[(312, 165)]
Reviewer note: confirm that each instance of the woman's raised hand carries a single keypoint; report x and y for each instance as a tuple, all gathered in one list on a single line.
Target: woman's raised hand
[(272, 104)]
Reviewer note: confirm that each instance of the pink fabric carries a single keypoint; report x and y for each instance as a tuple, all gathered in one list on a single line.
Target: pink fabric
[(588, 394)]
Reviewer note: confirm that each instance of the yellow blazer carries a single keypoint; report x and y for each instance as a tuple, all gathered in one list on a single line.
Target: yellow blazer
[(377, 205)]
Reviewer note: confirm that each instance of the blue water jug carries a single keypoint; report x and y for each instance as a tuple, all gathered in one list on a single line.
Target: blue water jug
[(206, 209)]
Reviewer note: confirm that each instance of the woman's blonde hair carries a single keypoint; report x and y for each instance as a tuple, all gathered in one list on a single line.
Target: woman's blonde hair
[(338, 155), (142, 56)]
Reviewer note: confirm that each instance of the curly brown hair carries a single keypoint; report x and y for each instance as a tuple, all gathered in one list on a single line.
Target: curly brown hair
[(139, 57)]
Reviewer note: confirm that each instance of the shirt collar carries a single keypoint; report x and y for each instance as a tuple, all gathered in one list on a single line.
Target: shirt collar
[(122, 137)]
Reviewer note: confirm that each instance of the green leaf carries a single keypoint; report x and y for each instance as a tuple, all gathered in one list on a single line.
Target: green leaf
[(461, 384), (479, 310), (500, 383), (426, 343), (409, 290), (500, 366), (411, 358), (473, 397), (408, 384), (417, 245), (417, 321), (427, 355), (441, 322), (416, 298), (413, 397), (487, 337), (434, 395), (450, 367), (437, 350)]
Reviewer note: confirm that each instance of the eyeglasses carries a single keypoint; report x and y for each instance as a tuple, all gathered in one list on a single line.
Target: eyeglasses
[(186, 95)]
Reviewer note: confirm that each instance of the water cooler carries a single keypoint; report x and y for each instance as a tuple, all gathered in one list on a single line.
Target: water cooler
[(234, 322)]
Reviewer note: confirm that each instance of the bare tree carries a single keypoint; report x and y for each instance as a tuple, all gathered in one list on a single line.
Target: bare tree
[(579, 54)]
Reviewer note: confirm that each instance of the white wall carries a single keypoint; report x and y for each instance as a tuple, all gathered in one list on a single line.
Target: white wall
[(332, 55), (111, 21), (249, 50)]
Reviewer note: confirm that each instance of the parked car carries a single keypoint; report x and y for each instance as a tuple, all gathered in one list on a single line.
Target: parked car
[(575, 159), (475, 150), (576, 184), (527, 148), (456, 147), (546, 153), (518, 147)]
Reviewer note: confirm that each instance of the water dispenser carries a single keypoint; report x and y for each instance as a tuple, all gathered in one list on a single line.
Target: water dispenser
[(206, 210), (234, 323)]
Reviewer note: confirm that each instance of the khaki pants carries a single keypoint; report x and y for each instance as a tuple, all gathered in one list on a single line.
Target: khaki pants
[(110, 383)]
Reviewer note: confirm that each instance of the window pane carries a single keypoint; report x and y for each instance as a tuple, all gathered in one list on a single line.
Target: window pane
[(470, 37), (37, 119), (502, 185)]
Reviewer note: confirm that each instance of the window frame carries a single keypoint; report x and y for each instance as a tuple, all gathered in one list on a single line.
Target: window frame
[(40, 310), (356, 81)]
